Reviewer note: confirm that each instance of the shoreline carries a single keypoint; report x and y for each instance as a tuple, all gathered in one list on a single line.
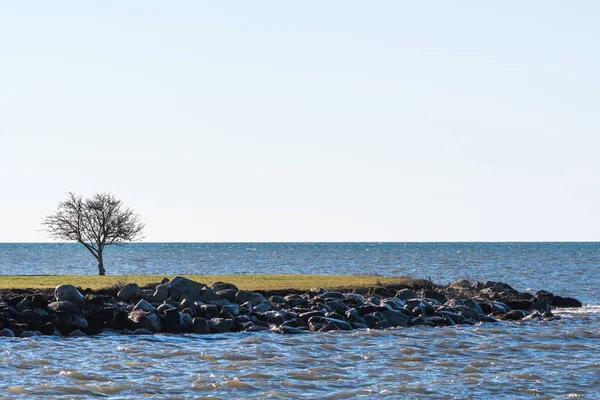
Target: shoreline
[(182, 305)]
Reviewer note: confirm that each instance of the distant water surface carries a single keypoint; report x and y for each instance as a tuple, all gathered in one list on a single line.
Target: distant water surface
[(539, 360)]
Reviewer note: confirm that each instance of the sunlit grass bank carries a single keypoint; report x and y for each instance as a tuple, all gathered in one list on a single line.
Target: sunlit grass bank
[(246, 282)]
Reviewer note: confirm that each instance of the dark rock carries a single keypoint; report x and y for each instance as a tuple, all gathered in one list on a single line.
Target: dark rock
[(289, 330), (338, 306), (406, 294), (332, 295), (141, 331), (295, 300), (367, 309), (329, 328), (172, 320), (566, 302), (69, 315), (200, 325), (26, 334), (144, 306), (129, 292), (342, 325), (242, 297), (372, 320), (76, 333), (208, 311), (68, 293), (261, 307), (395, 318), (217, 286), (513, 315), (435, 295), (307, 315), (6, 333), (181, 288), (382, 325), (232, 309), (227, 294), (161, 293), (221, 325)]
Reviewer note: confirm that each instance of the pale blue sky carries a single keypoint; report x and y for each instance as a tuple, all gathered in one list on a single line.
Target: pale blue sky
[(313, 121)]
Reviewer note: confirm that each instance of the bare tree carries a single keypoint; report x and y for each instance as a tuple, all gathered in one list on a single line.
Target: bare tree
[(96, 222)]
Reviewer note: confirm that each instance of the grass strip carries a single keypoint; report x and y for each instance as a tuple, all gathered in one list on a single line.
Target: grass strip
[(245, 282)]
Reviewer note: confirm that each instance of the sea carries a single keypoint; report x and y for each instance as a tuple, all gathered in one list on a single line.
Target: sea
[(558, 359)]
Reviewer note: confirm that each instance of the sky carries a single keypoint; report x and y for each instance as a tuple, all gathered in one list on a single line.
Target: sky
[(307, 121)]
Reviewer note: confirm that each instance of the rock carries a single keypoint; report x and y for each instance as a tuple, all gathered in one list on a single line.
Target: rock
[(513, 315), (338, 306), (144, 306), (180, 288), (26, 334), (161, 293), (474, 305), (435, 295), (172, 320), (372, 319), (187, 303), (273, 316), (395, 318), (228, 294), (200, 325), (241, 297), (342, 325), (462, 284), (23, 305), (69, 315), (255, 298), (232, 309), (145, 320), (329, 328), (129, 292), (217, 286), (295, 300), (566, 302), (406, 294), (151, 322), (68, 293), (221, 325), (261, 307), (7, 333), (142, 331), (289, 330), (164, 307), (382, 325), (76, 333), (207, 311)]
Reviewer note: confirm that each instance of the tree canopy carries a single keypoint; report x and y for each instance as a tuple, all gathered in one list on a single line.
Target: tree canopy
[(95, 222)]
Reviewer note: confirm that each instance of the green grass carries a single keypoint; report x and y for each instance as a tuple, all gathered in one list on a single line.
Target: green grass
[(246, 282)]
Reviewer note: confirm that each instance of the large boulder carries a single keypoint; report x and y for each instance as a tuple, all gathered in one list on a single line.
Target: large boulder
[(68, 293), (566, 302), (145, 306), (182, 288), (129, 292), (161, 293), (145, 320), (395, 318), (406, 294), (69, 316)]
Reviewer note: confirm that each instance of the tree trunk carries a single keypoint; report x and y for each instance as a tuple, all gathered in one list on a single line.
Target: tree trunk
[(101, 270)]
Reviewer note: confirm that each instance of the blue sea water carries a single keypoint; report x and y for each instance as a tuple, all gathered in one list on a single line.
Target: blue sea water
[(557, 359)]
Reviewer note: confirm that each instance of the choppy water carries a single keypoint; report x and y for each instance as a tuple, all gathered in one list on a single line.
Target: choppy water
[(538, 359)]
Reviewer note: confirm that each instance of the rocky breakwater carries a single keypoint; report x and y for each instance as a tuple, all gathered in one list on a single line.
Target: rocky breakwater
[(181, 305)]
